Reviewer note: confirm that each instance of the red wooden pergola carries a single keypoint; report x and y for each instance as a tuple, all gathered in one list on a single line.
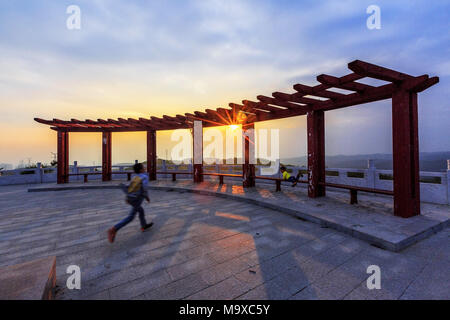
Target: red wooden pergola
[(312, 101)]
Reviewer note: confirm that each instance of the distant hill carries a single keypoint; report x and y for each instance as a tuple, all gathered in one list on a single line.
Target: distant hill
[(429, 161)]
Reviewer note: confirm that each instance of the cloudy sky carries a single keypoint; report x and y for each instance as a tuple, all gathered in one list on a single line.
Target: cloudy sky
[(142, 58)]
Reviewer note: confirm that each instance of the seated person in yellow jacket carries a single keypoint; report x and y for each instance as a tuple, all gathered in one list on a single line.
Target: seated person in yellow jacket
[(288, 177)]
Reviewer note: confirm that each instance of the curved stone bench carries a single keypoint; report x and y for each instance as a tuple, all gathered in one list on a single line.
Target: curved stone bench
[(32, 280)]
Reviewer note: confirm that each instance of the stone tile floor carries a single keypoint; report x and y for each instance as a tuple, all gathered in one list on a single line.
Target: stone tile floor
[(204, 247), (371, 220)]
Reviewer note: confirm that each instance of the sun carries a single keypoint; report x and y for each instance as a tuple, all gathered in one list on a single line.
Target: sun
[(234, 126)]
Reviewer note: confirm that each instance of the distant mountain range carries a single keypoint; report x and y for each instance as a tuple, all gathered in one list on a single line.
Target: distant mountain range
[(428, 161)]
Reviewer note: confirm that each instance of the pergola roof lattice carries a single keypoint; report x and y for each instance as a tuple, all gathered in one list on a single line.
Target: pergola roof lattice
[(280, 105)]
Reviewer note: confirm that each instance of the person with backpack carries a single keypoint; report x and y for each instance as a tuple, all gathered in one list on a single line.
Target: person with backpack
[(136, 192)]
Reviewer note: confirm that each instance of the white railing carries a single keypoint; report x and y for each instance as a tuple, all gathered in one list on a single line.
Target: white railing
[(434, 186)]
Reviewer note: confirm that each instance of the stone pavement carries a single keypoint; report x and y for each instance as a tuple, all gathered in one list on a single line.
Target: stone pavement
[(371, 220), (204, 247)]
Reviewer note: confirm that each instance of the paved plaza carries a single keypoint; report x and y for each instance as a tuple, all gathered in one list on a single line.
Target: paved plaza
[(205, 247)]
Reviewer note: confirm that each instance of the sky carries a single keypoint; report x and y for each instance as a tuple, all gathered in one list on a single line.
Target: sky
[(148, 58)]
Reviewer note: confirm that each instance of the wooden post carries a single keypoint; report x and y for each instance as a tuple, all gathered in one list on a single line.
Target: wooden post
[(106, 156), (151, 154), (248, 167), (405, 143), (63, 157), (353, 196), (197, 135), (278, 185), (316, 153)]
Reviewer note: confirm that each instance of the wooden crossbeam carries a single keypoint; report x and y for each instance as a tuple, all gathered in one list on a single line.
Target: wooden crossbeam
[(68, 124), (148, 122), (373, 71), (217, 116), (318, 91), (108, 123), (376, 94), (289, 101), (121, 123), (262, 106), (278, 102), (206, 121), (225, 113), (173, 119), (425, 84), (338, 83), (165, 122), (280, 105)]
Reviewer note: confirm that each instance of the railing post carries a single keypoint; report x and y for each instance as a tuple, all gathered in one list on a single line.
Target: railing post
[(164, 167), (448, 182), (75, 169), (370, 178), (39, 172)]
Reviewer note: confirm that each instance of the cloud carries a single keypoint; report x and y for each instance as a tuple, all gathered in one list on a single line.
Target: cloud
[(167, 57)]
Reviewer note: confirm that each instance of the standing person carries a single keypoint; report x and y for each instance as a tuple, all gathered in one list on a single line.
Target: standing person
[(288, 177), (136, 193)]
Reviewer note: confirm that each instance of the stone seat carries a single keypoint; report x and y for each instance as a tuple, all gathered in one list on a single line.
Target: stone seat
[(32, 280)]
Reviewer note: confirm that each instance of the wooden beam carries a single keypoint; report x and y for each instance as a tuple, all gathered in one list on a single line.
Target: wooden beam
[(337, 83), (140, 123), (318, 91), (298, 98), (373, 71), (425, 85), (262, 106), (121, 122), (376, 94), (226, 114), (279, 102), (217, 116)]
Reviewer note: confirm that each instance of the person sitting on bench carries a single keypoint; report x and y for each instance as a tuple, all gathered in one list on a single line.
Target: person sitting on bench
[(288, 177)]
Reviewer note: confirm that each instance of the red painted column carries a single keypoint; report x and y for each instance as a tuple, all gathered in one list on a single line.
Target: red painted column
[(66, 157), (197, 135), (248, 167), (106, 156), (316, 153), (151, 154), (62, 157), (405, 144)]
